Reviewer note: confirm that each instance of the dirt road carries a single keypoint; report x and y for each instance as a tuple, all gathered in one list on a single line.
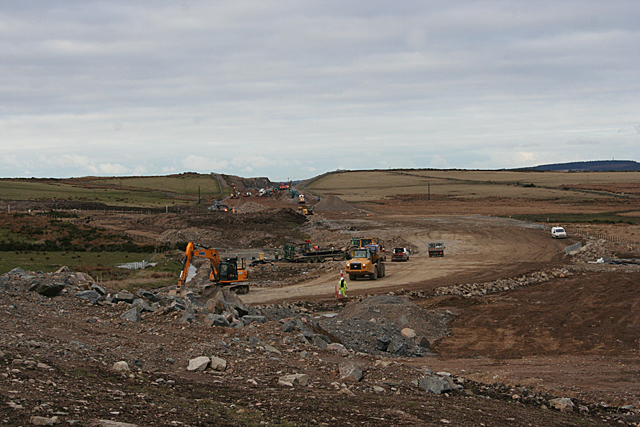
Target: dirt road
[(477, 249)]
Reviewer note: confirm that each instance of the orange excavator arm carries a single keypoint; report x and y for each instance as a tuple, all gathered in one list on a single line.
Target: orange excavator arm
[(209, 253), (230, 273)]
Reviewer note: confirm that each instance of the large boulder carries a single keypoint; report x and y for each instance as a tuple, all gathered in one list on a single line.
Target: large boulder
[(199, 363), (350, 371), (91, 296), (216, 320), (562, 404), (434, 384), (47, 289), (132, 315)]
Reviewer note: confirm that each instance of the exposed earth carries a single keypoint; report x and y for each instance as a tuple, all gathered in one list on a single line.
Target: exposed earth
[(505, 324)]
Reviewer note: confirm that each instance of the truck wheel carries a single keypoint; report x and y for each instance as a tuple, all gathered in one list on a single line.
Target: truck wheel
[(374, 276), (352, 277), (383, 270)]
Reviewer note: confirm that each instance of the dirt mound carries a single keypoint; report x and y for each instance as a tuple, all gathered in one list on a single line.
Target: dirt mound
[(399, 311), (333, 203), (251, 207)]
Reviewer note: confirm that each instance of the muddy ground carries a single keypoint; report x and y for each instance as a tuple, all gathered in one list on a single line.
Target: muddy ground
[(575, 334)]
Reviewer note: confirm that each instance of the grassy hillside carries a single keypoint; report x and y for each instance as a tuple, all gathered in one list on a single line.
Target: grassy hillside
[(156, 191), (368, 186)]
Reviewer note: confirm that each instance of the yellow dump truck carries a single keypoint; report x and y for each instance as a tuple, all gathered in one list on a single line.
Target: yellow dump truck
[(366, 262)]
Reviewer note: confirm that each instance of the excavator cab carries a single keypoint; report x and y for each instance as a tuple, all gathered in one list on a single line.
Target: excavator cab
[(228, 270)]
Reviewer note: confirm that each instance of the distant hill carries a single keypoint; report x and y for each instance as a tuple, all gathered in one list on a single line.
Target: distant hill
[(592, 166)]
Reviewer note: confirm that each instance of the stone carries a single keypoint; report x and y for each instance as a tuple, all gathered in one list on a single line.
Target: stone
[(188, 317), (144, 306), (318, 341), (47, 289), (132, 315), (289, 326), (216, 320), (408, 332), (44, 421), (98, 289), (149, 296), (294, 379), (218, 364), (91, 296), (109, 423), (562, 404), (247, 320), (434, 384), (127, 297), (121, 366), (339, 348), (399, 347), (382, 343), (271, 349), (199, 363), (350, 371), (424, 343)]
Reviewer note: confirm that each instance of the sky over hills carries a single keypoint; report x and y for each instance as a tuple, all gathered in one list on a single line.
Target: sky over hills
[(290, 89)]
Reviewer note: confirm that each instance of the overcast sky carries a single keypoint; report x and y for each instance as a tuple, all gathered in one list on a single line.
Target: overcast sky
[(292, 89)]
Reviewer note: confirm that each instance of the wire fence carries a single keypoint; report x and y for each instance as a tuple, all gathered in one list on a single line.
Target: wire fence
[(572, 248)]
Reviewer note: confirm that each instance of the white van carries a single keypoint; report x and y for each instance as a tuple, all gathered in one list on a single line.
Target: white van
[(558, 233)]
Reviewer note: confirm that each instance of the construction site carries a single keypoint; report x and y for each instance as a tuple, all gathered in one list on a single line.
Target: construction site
[(489, 320)]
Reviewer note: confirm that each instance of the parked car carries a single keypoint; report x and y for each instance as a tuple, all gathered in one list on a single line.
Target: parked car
[(558, 233), (400, 254)]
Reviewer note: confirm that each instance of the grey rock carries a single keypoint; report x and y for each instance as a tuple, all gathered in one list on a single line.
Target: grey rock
[(434, 384), (382, 343), (216, 320), (218, 364), (16, 272), (188, 317), (350, 371), (149, 296), (318, 341), (121, 366), (109, 423), (91, 296), (127, 297), (144, 306), (177, 306), (247, 320), (289, 326), (44, 421), (47, 289), (293, 380), (398, 347), (199, 363), (339, 348), (562, 404), (132, 315), (99, 289)]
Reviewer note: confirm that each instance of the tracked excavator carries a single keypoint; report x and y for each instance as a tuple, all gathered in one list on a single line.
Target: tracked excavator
[(224, 272)]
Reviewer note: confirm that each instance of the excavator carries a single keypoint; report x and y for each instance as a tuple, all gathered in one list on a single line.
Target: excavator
[(223, 272)]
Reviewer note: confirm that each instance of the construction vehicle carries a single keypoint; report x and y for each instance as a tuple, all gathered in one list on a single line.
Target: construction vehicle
[(301, 199), (366, 262), (305, 252), (224, 272), (235, 194), (361, 242), (306, 210), (436, 249)]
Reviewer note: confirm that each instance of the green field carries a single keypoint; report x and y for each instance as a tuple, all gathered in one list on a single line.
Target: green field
[(156, 191), (102, 266)]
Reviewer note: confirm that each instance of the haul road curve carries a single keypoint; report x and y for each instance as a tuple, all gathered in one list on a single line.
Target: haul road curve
[(478, 249)]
